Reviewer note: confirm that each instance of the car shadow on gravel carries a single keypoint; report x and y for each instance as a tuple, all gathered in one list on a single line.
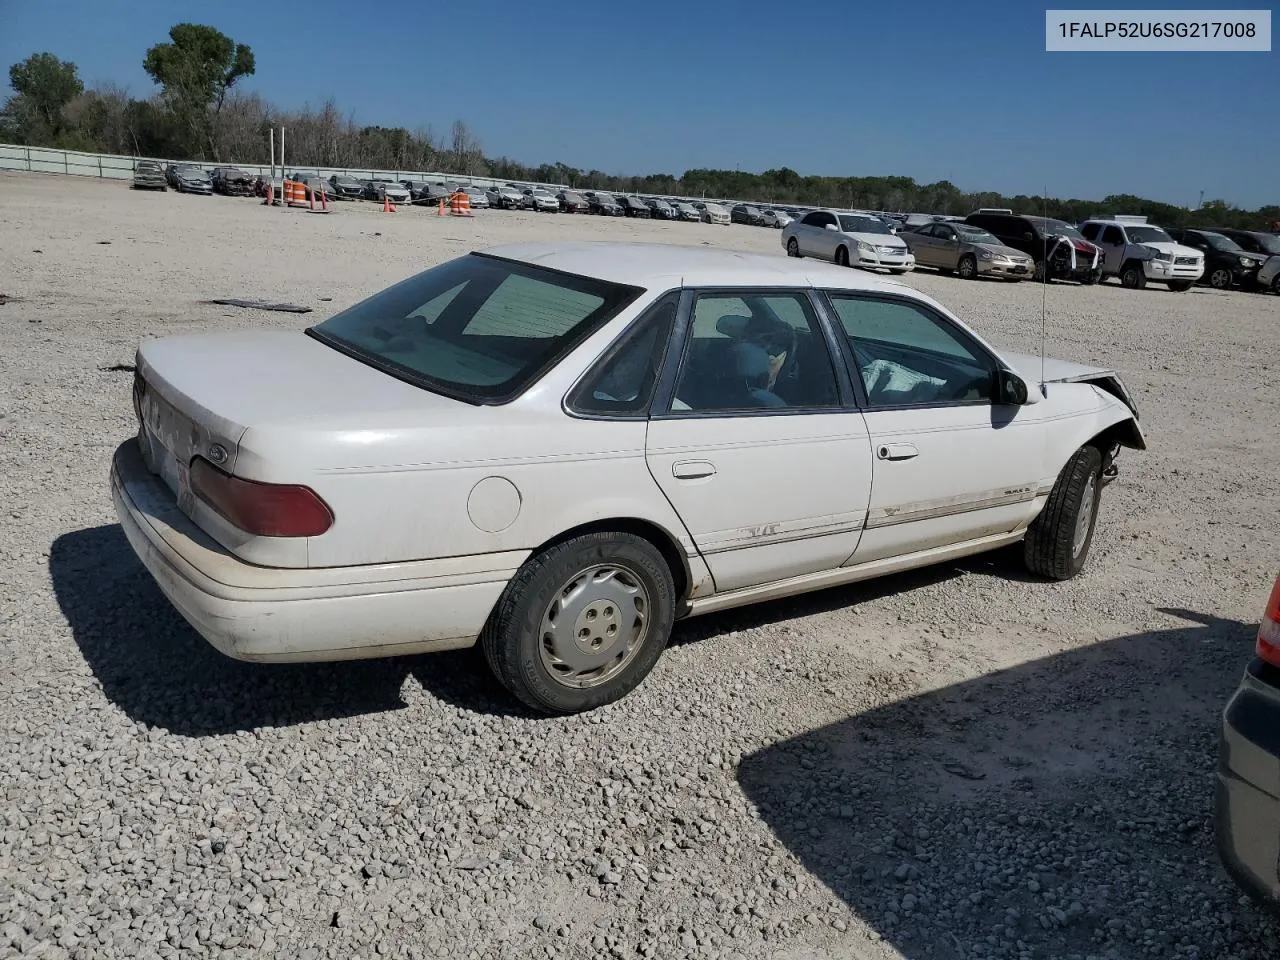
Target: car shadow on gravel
[(1057, 809), (162, 673)]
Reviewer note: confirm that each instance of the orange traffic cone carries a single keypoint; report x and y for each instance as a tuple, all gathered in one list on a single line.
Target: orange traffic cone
[(386, 203), (440, 209)]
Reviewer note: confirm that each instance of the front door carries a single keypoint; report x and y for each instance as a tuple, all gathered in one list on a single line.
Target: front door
[(950, 463), (767, 468), (1111, 240)]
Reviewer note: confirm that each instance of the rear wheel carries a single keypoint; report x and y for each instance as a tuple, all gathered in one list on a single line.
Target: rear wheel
[(842, 256), (1220, 279), (968, 267), (582, 623), (1179, 286), (1058, 540), (793, 247), (1133, 276)]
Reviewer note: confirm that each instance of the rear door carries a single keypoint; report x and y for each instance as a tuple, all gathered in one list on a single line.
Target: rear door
[(755, 441)]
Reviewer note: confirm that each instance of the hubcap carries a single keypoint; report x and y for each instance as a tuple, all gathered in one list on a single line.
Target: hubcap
[(793, 248), (966, 267), (594, 626), (1085, 518), (1221, 279)]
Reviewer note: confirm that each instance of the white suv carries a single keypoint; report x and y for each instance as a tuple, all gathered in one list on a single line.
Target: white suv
[(1137, 251)]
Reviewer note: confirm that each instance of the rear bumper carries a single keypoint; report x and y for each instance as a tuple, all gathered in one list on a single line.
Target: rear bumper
[(277, 615), (1247, 802)]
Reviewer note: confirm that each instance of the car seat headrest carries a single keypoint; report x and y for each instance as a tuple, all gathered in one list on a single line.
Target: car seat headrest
[(733, 326)]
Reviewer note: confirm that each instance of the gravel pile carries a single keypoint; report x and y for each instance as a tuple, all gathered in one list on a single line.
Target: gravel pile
[(955, 763)]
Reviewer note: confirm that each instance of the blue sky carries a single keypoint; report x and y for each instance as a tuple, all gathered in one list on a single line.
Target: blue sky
[(931, 90)]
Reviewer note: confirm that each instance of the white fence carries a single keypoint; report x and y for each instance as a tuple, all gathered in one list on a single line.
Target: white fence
[(112, 167)]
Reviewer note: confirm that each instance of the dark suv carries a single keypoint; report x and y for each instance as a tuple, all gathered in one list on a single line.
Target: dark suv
[(1070, 255), (746, 213), (1226, 263)]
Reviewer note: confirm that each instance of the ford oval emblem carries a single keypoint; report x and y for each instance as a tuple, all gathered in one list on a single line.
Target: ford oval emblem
[(217, 453)]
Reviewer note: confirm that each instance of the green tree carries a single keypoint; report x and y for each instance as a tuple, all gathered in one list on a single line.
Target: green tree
[(196, 69), (44, 85)]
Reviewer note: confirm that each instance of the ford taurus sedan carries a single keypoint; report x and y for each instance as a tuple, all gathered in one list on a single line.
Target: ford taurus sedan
[(848, 239), (557, 450)]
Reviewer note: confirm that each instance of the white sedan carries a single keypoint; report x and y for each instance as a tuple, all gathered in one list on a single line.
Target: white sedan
[(848, 239), (560, 449)]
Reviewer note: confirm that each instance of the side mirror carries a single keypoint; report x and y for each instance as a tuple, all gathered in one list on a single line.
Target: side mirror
[(832, 227), (1012, 389)]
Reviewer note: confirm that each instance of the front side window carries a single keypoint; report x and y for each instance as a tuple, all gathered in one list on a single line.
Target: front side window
[(908, 356), (622, 383), (750, 352), (476, 328), (1112, 236)]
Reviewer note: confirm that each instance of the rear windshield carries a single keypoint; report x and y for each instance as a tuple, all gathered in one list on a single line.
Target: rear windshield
[(477, 328)]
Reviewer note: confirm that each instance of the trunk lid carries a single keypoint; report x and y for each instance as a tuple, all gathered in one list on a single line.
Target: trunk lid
[(201, 395)]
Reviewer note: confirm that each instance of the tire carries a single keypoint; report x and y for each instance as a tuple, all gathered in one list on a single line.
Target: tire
[(1038, 274), (793, 248), (1275, 284), (1220, 278), (1094, 278), (532, 658), (967, 268), (1058, 540), (1179, 286), (842, 256), (1132, 276)]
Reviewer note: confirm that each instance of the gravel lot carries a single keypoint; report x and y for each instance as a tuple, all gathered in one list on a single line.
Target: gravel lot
[(955, 763)]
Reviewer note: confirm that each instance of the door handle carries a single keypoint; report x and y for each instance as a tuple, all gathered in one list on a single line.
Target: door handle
[(692, 469), (897, 451)]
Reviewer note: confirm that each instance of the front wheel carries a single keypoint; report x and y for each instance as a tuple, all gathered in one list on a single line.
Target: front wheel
[(968, 267), (793, 247), (842, 256), (1179, 286), (1133, 276), (1275, 284), (1038, 275), (1058, 540), (582, 623)]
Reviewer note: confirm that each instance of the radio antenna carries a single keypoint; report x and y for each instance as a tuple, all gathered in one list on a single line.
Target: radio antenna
[(1044, 290)]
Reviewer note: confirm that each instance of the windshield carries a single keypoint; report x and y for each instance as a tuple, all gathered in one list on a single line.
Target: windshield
[(1219, 242), (1268, 242), (975, 235), (476, 328), (1058, 228), (1148, 235), (862, 225)]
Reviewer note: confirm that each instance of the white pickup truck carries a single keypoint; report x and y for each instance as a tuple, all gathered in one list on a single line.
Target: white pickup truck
[(1138, 252)]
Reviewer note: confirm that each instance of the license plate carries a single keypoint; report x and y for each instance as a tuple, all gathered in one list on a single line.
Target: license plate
[(1019, 270)]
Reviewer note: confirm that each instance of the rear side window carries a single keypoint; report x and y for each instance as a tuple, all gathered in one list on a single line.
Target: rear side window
[(477, 328), (621, 384), (1112, 235), (1090, 231)]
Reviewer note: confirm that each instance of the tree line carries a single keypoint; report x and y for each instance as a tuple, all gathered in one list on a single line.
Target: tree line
[(199, 112)]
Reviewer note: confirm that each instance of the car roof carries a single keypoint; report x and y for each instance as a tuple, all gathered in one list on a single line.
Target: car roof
[(653, 265)]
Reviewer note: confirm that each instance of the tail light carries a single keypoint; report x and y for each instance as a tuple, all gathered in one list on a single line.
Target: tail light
[(263, 509), (1269, 630)]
